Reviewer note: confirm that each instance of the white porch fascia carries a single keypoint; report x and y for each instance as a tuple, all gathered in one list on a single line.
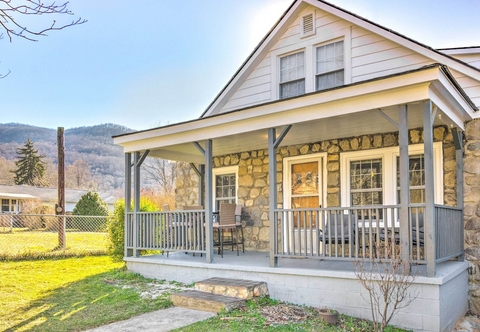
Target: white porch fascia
[(174, 142)]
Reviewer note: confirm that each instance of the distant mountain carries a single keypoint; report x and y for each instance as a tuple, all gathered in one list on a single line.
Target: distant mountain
[(94, 144)]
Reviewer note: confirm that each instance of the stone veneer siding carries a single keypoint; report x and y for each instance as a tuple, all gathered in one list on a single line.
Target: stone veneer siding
[(253, 191), (472, 209)]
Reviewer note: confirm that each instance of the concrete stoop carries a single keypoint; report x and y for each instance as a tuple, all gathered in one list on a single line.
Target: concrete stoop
[(215, 294)]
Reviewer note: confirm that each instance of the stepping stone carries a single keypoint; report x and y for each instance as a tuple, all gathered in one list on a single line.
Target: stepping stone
[(245, 289), (199, 300)]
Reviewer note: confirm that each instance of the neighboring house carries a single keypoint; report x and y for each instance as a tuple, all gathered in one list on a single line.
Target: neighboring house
[(14, 196), (12, 203), (331, 116)]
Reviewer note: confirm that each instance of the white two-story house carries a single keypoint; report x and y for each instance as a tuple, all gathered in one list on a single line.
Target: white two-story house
[(331, 118)]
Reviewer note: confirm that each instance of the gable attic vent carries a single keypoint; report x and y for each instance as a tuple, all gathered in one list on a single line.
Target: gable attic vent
[(308, 25)]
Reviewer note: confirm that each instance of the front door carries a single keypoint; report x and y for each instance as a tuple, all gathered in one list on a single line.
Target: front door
[(303, 180)]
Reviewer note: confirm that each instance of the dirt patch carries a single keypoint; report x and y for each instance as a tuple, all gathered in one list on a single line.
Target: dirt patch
[(153, 290), (283, 313)]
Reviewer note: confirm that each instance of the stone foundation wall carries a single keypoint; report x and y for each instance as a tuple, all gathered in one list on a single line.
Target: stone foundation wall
[(472, 209), (253, 191)]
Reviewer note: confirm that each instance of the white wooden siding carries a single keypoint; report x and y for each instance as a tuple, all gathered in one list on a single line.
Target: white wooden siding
[(469, 85), (371, 56), (374, 56), (471, 59), (255, 90)]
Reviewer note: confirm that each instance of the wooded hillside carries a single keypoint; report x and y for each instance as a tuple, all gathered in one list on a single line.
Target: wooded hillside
[(93, 144)]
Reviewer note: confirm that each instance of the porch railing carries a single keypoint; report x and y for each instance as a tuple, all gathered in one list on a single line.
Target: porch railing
[(166, 231), (448, 232), (364, 232), (323, 233)]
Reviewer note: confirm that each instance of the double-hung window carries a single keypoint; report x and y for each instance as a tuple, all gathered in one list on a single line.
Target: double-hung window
[(330, 70), (372, 177), (9, 205), (292, 75), (416, 170), (225, 185), (366, 186), (5, 205)]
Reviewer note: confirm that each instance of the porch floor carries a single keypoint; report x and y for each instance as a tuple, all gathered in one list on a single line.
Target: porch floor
[(260, 262)]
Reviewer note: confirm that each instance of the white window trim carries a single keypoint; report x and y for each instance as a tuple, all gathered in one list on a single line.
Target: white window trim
[(12, 207), (309, 45), (222, 171), (389, 171), (287, 189)]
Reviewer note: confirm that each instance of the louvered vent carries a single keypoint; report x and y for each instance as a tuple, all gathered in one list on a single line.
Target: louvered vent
[(307, 28)]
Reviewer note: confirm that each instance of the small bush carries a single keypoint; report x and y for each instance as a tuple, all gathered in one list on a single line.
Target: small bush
[(90, 204), (116, 227)]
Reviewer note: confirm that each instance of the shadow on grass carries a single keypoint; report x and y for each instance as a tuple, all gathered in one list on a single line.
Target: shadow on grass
[(84, 304), (52, 254)]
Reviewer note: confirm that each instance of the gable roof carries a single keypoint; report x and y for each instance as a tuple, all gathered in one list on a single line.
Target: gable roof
[(290, 14)]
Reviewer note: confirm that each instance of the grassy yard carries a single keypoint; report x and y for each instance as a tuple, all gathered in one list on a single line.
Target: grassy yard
[(43, 244), (71, 294), (75, 294)]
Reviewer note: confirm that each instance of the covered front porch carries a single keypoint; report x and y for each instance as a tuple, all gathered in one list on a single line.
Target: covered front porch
[(400, 109)]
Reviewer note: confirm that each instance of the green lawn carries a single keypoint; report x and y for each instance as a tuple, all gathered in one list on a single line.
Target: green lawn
[(70, 294), (42, 244), (75, 294)]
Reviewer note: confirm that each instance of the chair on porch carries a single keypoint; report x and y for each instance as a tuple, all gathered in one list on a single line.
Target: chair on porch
[(417, 233), (192, 207), (339, 229), (227, 221)]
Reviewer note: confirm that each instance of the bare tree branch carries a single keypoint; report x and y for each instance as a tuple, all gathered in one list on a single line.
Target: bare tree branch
[(11, 13), (163, 172), (387, 285)]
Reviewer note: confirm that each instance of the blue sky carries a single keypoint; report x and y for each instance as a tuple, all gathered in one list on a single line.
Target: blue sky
[(148, 63)]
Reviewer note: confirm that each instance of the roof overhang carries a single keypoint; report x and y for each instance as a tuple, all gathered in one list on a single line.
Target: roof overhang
[(16, 196), (342, 112)]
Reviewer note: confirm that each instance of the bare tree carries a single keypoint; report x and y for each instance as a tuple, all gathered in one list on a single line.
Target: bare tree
[(78, 175), (162, 172), (388, 287), (14, 13), (6, 177), (11, 13)]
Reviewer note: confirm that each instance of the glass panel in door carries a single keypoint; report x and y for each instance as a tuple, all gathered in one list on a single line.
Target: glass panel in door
[(305, 192)]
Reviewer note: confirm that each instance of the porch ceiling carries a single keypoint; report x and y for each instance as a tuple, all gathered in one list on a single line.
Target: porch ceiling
[(349, 111), (355, 124)]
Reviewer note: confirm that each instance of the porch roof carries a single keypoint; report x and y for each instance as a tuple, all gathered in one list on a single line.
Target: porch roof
[(351, 110)]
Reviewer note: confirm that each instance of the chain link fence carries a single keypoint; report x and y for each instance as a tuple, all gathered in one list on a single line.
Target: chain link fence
[(27, 236)]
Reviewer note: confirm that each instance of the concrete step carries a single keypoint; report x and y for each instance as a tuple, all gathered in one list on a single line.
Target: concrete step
[(204, 301), (244, 289)]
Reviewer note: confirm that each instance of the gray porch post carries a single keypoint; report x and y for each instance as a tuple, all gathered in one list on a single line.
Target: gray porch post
[(272, 174), (128, 196), (404, 183), (201, 186), (136, 200), (208, 200), (458, 140), (429, 215)]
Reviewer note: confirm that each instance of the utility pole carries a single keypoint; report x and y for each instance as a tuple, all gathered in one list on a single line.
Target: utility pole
[(60, 208)]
